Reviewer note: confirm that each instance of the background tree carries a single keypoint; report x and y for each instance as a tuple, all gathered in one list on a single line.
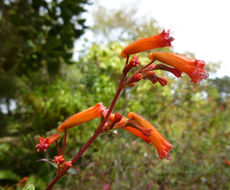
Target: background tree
[(36, 43)]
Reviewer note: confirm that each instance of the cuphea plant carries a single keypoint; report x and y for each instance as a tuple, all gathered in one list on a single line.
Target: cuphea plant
[(135, 124)]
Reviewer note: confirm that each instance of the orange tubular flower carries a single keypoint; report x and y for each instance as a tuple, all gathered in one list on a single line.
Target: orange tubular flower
[(162, 145), (81, 117), (158, 41), (132, 130), (193, 67)]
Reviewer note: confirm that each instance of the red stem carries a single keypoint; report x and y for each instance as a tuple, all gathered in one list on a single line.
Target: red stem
[(139, 70), (64, 143), (97, 132), (83, 149), (58, 149)]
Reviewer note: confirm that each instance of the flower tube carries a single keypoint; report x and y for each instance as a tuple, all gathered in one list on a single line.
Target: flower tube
[(194, 68), (81, 117), (158, 41), (162, 145), (122, 124)]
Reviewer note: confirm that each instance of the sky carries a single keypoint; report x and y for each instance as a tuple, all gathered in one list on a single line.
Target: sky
[(198, 26)]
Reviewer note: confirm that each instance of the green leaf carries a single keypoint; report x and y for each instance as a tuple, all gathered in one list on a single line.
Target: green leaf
[(29, 187), (9, 175)]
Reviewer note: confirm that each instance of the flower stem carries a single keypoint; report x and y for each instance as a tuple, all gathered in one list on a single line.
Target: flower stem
[(97, 132), (58, 149), (64, 143)]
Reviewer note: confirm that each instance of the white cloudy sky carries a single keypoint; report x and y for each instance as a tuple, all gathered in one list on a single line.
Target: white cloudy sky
[(198, 26)]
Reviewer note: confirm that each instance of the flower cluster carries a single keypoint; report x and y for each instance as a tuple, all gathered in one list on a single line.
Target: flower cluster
[(173, 63), (140, 127), (134, 123)]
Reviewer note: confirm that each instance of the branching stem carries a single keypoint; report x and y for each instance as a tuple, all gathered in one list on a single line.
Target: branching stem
[(97, 132)]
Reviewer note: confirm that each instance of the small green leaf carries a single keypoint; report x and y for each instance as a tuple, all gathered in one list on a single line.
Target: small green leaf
[(29, 187)]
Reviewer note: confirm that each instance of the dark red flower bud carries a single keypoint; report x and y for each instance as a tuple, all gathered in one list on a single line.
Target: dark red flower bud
[(117, 118), (174, 71), (133, 79), (134, 62), (162, 81), (154, 80), (136, 77), (148, 74), (131, 85)]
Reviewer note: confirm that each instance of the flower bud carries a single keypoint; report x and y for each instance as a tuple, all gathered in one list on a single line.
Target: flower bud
[(58, 159)]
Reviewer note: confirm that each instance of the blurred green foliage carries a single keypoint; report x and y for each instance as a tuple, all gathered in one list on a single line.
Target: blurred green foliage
[(194, 118)]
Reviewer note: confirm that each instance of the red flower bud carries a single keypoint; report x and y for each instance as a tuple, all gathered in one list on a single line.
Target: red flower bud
[(117, 118), (133, 79), (23, 181), (161, 80), (148, 74), (68, 164), (134, 62), (174, 71), (227, 162), (58, 159), (154, 78)]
